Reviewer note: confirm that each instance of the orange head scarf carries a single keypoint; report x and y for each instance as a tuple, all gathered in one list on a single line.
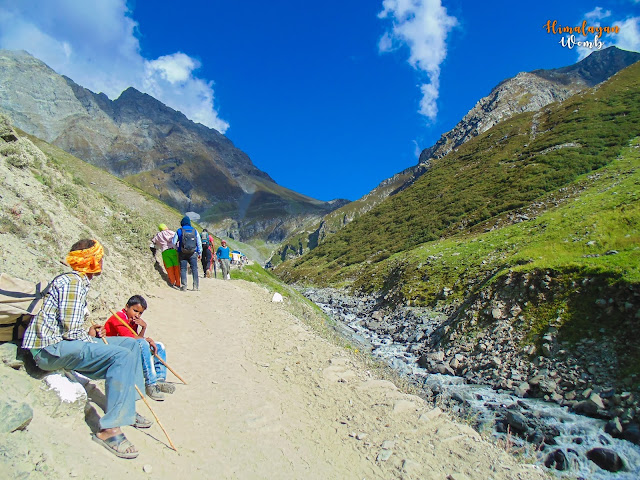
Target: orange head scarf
[(87, 260)]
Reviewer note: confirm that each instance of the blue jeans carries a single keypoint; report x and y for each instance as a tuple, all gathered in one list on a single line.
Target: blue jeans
[(193, 261), (152, 368), (118, 363)]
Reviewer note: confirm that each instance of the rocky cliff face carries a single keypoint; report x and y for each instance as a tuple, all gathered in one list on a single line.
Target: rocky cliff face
[(529, 92), (136, 137)]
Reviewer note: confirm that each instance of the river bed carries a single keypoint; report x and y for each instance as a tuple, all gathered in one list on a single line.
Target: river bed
[(568, 444)]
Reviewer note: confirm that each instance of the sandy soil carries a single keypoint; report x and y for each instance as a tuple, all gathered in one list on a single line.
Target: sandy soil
[(266, 397)]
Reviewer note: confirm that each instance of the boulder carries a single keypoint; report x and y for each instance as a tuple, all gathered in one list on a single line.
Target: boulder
[(557, 459), (631, 433), (606, 459), (14, 415), (547, 385), (444, 369), (522, 389), (613, 427), (517, 422), (585, 407), (596, 400), (436, 356), (9, 355)]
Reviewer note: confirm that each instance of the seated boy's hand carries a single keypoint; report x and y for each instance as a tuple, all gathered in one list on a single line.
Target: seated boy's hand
[(96, 331), (152, 344), (140, 322)]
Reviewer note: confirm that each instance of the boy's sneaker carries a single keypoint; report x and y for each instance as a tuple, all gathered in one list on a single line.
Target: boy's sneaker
[(165, 387), (154, 393), (142, 422)]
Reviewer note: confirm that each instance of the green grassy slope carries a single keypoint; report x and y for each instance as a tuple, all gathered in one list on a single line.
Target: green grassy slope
[(314, 233)]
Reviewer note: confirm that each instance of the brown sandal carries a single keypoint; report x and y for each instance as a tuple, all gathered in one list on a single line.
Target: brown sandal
[(118, 445)]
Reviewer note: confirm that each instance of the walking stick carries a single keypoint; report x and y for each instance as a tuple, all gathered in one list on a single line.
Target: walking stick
[(154, 354), (149, 406)]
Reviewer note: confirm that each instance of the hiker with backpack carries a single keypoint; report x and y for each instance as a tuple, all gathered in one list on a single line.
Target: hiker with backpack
[(189, 246), (164, 240), (207, 252), (58, 340)]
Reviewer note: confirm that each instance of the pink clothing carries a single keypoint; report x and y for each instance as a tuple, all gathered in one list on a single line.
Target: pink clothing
[(164, 239)]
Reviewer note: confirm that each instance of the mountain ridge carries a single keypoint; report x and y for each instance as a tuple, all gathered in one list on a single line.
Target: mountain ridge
[(527, 91), (158, 149)]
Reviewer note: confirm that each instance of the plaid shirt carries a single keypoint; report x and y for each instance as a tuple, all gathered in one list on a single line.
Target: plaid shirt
[(62, 314)]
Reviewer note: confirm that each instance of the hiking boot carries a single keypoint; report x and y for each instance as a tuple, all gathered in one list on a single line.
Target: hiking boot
[(154, 393), (165, 387)]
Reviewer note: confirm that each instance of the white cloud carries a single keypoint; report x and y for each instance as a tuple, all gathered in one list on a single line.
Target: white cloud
[(627, 39), (422, 25), (597, 14), (417, 149), (94, 44), (629, 36), (176, 68)]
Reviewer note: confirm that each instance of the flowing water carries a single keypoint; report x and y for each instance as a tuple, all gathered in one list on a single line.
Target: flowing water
[(572, 436)]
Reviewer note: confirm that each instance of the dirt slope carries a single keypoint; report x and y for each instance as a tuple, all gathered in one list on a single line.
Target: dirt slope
[(266, 398)]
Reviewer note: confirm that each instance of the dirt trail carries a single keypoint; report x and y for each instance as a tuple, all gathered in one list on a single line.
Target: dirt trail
[(268, 398)]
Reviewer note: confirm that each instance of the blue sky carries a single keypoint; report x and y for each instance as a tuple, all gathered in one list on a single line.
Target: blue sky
[(329, 98)]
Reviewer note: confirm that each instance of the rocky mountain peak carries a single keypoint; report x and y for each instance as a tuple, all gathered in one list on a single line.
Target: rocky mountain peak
[(595, 68), (530, 91), (133, 102)]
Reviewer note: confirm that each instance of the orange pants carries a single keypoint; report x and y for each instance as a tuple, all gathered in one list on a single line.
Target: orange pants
[(172, 266)]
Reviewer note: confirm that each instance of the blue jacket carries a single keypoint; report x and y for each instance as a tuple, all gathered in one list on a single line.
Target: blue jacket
[(223, 252), (186, 225)]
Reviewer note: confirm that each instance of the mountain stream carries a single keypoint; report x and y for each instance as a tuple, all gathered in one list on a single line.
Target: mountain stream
[(568, 444)]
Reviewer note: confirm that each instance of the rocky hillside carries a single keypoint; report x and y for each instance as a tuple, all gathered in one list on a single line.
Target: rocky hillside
[(526, 92), (49, 200), (529, 92), (137, 138)]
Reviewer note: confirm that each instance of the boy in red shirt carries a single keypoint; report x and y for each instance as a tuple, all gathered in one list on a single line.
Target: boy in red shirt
[(155, 373)]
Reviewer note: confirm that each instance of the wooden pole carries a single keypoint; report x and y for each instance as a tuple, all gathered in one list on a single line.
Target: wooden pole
[(149, 406), (154, 354)]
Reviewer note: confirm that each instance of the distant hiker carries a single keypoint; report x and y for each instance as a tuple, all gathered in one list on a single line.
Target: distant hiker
[(155, 373), (164, 240), (207, 252), (223, 253), (189, 250), (58, 340)]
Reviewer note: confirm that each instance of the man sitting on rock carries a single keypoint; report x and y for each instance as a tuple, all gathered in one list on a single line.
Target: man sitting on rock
[(58, 340)]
